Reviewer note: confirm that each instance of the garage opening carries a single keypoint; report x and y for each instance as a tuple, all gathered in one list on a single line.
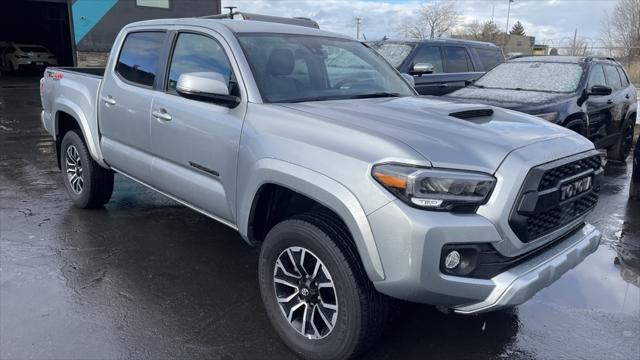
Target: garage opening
[(36, 22)]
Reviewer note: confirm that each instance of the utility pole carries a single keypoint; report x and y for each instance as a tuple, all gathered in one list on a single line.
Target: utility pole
[(573, 47), (358, 28), (508, 13)]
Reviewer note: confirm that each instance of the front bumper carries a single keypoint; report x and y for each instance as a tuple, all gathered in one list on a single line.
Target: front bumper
[(410, 241)]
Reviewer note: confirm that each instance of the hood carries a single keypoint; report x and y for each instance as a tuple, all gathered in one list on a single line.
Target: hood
[(511, 99), (424, 124)]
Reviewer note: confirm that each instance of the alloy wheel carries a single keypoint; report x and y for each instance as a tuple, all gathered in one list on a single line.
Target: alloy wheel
[(305, 292), (74, 169)]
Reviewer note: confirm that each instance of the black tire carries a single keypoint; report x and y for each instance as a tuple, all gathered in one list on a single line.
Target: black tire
[(97, 182), (362, 312), (621, 150)]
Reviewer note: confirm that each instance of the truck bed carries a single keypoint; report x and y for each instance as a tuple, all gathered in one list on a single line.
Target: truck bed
[(73, 91), (95, 71)]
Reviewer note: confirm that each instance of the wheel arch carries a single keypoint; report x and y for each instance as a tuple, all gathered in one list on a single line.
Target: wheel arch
[(310, 189), (67, 113), (578, 123)]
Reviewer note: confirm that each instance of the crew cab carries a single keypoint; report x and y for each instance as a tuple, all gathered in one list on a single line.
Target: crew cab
[(589, 95), (319, 152), (440, 66)]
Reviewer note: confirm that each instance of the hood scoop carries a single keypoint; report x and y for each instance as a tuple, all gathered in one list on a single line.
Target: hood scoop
[(472, 114)]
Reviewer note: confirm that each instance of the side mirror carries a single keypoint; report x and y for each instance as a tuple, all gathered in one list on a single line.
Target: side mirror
[(409, 79), (206, 86), (599, 90), (421, 68)]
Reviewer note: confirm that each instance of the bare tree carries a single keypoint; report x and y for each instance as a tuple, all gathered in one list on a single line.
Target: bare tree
[(625, 19), (483, 31), (433, 21)]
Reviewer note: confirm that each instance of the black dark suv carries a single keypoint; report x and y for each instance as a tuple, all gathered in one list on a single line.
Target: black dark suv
[(590, 95), (440, 66)]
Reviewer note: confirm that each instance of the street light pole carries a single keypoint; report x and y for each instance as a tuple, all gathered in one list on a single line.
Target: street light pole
[(508, 13), (358, 28)]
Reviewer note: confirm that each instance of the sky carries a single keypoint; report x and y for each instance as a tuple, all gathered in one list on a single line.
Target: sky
[(550, 21)]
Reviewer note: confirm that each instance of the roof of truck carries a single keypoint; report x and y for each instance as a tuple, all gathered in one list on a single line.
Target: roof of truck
[(242, 26)]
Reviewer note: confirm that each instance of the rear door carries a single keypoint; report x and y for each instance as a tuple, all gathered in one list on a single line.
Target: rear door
[(195, 143), (599, 108), (125, 103)]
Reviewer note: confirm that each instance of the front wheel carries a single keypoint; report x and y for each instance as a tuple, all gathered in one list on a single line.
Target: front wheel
[(315, 291), (88, 184)]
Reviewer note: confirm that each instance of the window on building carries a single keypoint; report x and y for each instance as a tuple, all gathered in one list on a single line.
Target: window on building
[(457, 60), (162, 4), (138, 59), (197, 53)]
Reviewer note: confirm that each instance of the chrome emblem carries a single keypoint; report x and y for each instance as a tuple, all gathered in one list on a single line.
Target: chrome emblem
[(575, 188)]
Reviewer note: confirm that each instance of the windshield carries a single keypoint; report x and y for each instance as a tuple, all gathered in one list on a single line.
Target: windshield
[(295, 68), (394, 53), (536, 76)]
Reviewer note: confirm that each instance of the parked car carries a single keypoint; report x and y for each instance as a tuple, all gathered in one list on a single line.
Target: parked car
[(635, 177), (440, 66), (20, 56), (320, 153), (591, 96)]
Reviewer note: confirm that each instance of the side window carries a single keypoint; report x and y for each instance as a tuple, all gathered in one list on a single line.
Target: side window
[(457, 60), (431, 55), (623, 77), (138, 59), (197, 53), (489, 58), (596, 76), (613, 78)]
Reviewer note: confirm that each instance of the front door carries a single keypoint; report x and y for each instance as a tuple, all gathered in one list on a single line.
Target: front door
[(195, 143), (599, 108)]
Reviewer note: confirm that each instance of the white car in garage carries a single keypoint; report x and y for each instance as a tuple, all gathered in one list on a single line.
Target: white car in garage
[(18, 56)]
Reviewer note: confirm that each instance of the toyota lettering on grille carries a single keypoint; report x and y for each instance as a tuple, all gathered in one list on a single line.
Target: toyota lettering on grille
[(575, 188)]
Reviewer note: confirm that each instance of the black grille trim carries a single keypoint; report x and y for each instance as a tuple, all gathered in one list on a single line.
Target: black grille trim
[(538, 210)]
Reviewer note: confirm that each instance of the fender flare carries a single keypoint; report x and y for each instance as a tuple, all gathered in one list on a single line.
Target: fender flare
[(322, 189), (66, 106)]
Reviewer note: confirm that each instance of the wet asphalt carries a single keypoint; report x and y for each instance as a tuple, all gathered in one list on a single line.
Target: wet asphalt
[(148, 278)]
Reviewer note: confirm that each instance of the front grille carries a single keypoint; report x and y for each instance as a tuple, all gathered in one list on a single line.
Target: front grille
[(553, 176), (547, 221), (539, 209)]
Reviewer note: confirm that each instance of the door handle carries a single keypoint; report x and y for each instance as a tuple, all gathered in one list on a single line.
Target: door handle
[(109, 100), (161, 114), (627, 96), (609, 102)]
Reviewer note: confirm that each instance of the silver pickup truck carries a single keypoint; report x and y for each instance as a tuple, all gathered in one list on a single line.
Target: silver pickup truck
[(319, 152)]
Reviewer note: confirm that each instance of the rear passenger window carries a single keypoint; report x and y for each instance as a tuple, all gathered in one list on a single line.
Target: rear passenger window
[(138, 59), (489, 58), (197, 53), (623, 77), (457, 60), (430, 55), (596, 76), (613, 78)]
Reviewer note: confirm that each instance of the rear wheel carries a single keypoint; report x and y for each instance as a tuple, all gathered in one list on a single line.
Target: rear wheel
[(88, 184), (315, 290), (621, 150)]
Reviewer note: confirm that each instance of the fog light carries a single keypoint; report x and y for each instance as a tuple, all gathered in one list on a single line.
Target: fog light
[(452, 260)]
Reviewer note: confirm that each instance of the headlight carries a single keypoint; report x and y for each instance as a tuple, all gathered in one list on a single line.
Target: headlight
[(552, 116), (435, 189)]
